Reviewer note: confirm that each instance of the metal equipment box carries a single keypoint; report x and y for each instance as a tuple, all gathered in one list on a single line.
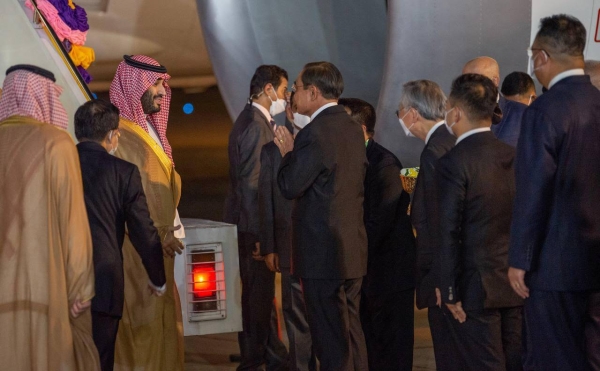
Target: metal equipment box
[(208, 278)]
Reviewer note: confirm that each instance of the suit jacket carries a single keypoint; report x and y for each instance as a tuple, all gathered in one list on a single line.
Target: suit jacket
[(476, 188), (424, 211), (250, 132), (275, 210), (114, 196), (556, 223), (325, 174), (509, 128), (391, 248)]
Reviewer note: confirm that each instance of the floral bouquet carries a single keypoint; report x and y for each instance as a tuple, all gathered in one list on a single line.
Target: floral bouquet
[(409, 178)]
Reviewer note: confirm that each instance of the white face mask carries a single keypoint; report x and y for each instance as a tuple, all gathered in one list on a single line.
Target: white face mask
[(301, 120), (114, 149), (532, 67), (278, 105), (406, 129), (449, 127)]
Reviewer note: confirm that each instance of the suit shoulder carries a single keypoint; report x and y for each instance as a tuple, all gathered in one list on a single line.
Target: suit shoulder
[(123, 165), (381, 156), (441, 141), (505, 148), (516, 106)]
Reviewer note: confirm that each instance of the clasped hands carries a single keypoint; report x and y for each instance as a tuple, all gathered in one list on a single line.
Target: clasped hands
[(283, 139)]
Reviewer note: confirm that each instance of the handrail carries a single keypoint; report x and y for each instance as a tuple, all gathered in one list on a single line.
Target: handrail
[(38, 18)]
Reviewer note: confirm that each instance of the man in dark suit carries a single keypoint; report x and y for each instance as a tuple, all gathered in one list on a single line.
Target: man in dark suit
[(508, 125), (253, 128), (475, 185), (324, 171), (388, 289), (555, 235), (421, 114), (114, 196), (276, 246)]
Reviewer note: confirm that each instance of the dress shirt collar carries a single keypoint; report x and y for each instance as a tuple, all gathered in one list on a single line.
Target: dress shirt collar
[(471, 132), (565, 74), (154, 134), (90, 145), (264, 111), (434, 128), (323, 107)]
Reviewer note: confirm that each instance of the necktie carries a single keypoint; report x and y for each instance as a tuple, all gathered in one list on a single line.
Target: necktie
[(272, 123)]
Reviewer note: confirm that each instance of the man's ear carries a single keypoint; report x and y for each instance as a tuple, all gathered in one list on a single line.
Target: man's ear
[(314, 92), (416, 115), (364, 129)]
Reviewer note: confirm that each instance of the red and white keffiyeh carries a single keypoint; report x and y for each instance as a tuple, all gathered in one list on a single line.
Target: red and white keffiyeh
[(126, 91), (25, 93)]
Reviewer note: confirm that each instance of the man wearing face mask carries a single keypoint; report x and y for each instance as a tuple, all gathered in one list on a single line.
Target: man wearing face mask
[(253, 129), (387, 300), (276, 244), (555, 244), (475, 189), (323, 170), (422, 107), (113, 196)]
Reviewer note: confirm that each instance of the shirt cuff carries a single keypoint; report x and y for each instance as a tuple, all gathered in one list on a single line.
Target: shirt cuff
[(161, 290), (181, 232)]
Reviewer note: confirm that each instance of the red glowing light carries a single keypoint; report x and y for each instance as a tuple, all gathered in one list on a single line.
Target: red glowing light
[(204, 281)]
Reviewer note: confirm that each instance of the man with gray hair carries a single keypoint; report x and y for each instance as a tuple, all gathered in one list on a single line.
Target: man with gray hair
[(421, 114)]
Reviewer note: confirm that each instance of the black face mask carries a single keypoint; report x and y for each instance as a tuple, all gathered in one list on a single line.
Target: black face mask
[(148, 103), (497, 116)]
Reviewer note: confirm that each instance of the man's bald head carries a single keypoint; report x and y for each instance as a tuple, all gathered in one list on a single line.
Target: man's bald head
[(592, 68), (485, 66)]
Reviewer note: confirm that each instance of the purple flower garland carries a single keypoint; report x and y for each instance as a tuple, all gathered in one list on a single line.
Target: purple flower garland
[(76, 18)]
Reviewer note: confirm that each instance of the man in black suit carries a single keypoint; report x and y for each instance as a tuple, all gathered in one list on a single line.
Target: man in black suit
[(388, 289), (508, 125), (475, 185), (276, 246), (259, 343), (114, 196), (421, 114), (555, 235), (324, 171)]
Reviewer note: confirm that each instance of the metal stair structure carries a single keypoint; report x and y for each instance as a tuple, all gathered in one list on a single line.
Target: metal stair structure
[(29, 39)]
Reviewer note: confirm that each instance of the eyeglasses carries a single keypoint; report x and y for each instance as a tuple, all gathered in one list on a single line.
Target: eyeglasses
[(531, 50), (399, 110), (295, 87)]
